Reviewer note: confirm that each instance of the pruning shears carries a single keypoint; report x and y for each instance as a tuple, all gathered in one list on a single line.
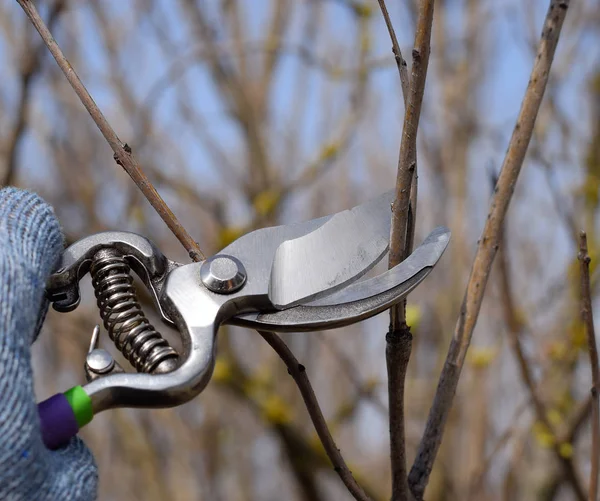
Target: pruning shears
[(298, 277)]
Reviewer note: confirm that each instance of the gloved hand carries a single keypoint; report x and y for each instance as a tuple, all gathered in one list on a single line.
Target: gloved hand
[(31, 243)]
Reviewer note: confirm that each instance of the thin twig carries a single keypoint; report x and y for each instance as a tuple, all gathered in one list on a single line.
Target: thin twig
[(486, 250), (405, 83), (576, 421), (587, 318), (123, 155), (298, 372), (400, 61), (399, 337), (306, 458)]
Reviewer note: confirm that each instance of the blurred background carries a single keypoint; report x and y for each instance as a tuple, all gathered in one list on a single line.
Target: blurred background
[(246, 114)]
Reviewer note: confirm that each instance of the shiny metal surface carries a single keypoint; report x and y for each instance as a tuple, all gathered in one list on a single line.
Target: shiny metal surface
[(309, 318), (142, 255), (424, 256), (298, 277), (127, 325), (194, 310), (223, 274), (99, 361), (358, 301), (343, 249)]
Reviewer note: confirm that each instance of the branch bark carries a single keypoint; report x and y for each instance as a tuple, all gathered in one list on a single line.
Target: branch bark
[(487, 248), (400, 61), (298, 372), (122, 152), (399, 337), (408, 145), (587, 318)]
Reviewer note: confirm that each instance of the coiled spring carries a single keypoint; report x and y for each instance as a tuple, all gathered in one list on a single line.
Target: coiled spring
[(123, 317)]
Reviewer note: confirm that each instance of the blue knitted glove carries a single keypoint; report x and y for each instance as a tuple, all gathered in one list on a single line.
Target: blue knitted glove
[(30, 247)]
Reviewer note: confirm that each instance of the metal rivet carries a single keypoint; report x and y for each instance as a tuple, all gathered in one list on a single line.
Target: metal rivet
[(223, 274), (99, 361)]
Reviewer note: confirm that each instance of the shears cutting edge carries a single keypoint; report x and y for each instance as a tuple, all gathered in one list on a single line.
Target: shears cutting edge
[(292, 278)]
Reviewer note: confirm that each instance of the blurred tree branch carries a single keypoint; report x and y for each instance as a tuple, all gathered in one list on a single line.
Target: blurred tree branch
[(178, 67), (515, 327), (479, 474), (32, 65)]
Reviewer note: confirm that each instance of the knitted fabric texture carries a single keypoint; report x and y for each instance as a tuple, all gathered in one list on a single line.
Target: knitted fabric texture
[(31, 243)]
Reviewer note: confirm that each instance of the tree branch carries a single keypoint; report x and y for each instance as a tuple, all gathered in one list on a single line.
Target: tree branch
[(408, 145), (298, 372), (487, 248), (400, 61), (399, 338), (397, 355), (122, 152), (587, 318)]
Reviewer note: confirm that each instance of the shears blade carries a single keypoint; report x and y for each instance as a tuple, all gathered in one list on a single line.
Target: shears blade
[(333, 255)]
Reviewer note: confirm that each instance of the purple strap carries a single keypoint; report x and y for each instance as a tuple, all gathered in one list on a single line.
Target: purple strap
[(57, 420)]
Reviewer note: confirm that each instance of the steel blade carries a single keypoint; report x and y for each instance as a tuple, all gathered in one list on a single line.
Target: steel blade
[(340, 251), (424, 256)]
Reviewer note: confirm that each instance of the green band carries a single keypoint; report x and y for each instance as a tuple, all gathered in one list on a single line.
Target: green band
[(81, 404)]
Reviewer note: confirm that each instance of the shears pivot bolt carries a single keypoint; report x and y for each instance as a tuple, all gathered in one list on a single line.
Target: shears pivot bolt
[(223, 274)]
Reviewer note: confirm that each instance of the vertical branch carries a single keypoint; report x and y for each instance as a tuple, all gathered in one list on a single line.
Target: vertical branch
[(399, 338), (587, 318), (405, 83), (397, 355), (408, 145), (123, 155), (487, 248)]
